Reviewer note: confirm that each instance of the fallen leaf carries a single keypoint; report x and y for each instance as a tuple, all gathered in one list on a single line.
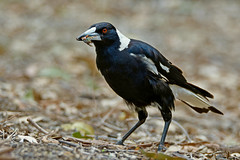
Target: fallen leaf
[(160, 156), (24, 119), (79, 135), (27, 138), (32, 95), (174, 148), (47, 139), (54, 73), (83, 128)]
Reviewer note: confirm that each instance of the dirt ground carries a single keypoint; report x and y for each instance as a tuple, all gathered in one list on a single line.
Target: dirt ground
[(54, 104)]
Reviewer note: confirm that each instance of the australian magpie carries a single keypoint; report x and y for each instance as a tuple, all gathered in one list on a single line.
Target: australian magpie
[(142, 76)]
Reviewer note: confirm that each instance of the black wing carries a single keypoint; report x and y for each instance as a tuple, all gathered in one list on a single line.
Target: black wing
[(173, 74)]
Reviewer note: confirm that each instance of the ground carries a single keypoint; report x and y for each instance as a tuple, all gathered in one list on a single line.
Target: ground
[(51, 91)]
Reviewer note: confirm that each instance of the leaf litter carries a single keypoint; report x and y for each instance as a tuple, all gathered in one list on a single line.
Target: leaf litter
[(48, 81)]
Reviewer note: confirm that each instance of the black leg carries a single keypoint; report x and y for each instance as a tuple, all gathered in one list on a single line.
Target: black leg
[(164, 134), (167, 116), (142, 116)]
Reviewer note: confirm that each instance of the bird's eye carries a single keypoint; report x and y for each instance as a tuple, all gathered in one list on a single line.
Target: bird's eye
[(104, 30)]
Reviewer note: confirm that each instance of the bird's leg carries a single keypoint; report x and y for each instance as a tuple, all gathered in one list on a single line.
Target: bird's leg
[(164, 134), (142, 116), (167, 116)]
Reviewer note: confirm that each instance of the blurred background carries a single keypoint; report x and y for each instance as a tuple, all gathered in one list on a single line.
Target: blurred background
[(45, 72)]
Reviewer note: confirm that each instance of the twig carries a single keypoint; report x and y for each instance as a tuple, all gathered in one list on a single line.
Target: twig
[(105, 117), (68, 143), (4, 141), (6, 150), (144, 145), (183, 130), (12, 134), (112, 126), (78, 140), (179, 125), (230, 149), (67, 148), (8, 118), (89, 142), (181, 156), (3, 133), (121, 150), (7, 158), (97, 137), (194, 143), (37, 126)]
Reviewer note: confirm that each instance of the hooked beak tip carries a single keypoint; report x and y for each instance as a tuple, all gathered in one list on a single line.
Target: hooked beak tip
[(79, 38)]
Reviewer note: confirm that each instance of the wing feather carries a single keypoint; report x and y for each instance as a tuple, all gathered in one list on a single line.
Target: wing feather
[(173, 74), (190, 94)]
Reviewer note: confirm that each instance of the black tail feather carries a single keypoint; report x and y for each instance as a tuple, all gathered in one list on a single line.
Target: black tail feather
[(204, 110), (198, 90), (215, 110)]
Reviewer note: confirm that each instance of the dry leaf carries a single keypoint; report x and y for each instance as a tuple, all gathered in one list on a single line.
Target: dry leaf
[(82, 127), (47, 139), (160, 156), (27, 138)]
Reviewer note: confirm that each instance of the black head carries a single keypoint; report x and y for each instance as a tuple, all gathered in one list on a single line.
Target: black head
[(103, 33)]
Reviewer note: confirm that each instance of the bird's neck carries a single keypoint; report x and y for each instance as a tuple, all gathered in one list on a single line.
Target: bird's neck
[(106, 55), (107, 49), (120, 43), (124, 41)]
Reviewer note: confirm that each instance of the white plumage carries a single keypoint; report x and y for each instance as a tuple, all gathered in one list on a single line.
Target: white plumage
[(189, 97)]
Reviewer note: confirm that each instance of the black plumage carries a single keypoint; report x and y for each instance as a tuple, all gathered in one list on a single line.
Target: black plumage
[(142, 76)]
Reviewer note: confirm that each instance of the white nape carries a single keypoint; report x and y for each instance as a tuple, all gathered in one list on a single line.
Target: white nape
[(165, 68), (123, 40)]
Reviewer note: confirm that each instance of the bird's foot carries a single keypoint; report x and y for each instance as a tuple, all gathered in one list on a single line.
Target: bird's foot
[(161, 148), (120, 143)]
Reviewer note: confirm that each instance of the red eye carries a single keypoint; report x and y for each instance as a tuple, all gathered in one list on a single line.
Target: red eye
[(104, 30)]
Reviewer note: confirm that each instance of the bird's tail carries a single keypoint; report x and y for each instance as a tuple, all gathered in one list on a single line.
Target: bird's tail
[(192, 97)]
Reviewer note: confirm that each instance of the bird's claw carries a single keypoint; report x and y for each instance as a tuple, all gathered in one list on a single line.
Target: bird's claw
[(161, 148), (120, 143)]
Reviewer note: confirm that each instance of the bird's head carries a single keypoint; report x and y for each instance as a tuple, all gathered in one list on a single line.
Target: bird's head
[(103, 34)]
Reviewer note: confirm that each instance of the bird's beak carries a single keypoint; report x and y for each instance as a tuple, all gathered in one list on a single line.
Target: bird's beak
[(89, 36)]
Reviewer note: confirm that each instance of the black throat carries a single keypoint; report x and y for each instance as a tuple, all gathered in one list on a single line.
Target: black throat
[(106, 54)]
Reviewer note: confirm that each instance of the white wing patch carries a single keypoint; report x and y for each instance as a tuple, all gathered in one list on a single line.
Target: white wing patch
[(123, 40), (150, 64), (164, 67)]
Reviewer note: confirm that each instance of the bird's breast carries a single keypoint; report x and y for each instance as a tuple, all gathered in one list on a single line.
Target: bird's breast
[(127, 78)]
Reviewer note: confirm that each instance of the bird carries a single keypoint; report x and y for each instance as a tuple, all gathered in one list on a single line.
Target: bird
[(143, 77)]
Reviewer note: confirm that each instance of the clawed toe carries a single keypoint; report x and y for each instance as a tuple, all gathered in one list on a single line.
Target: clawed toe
[(161, 148), (120, 143)]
